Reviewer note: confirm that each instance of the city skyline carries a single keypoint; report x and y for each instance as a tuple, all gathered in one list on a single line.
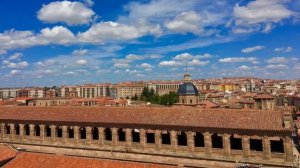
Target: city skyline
[(146, 40)]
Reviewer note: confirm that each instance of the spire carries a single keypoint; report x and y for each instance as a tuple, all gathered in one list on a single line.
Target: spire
[(187, 76)]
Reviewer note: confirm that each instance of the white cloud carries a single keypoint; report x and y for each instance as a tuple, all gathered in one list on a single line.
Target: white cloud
[(15, 72), (196, 62), (15, 65), (260, 15), (278, 66), (111, 31), (145, 65), (186, 22), (133, 57), (169, 63), (284, 49), (57, 35), (252, 49), (121, 65), (238, 59), (277, 60), (261, 11), (244, 67), (80, 52), (72, 13), (183, 56), (204, 56), (81, 62), (15, 56)]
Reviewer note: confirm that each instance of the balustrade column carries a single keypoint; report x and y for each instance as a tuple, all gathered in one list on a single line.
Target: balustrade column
[(88, 135), (2, 130), (128, 137), (101, 135), (226, 145), (207, 143), (76, 134), (143, 138), (42, 132), (64, 133), (288, 148), (158, 139), (191, 141), (53, 133), (115, 136), (12, 131), (31, 132), (21, 127), (246, 146), (266, 148), (174, 141)]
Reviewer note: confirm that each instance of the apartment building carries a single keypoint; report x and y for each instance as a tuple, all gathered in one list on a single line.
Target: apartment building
[(129, 89), (164, 87)]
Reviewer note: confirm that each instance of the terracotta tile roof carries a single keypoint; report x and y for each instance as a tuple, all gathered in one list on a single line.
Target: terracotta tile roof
[(6, 153), (38, 160), (190, 118), (263, 96)]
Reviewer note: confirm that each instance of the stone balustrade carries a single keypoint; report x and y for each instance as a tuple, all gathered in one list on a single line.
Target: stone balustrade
[(167, 142)]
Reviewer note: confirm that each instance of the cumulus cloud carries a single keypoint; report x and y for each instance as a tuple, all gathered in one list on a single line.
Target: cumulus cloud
[(57, 35), (81, 62), (15, 56), (277, 60), (244, 67), (238, 59), (186, 22), (80, 52), (261, 11), (111, 31), (284, 49), (14, 72), (252, 49), (196, 62), (72, 13), (121, 65), (277, 66), (145, 66), (183, 56), (169, 63), (260, 15)]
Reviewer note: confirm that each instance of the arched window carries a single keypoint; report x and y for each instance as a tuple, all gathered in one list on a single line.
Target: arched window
[(95, 133), (165, 136), (199, 140), (27, 130), (37, 130), (82, 133), (121, 134), (217, 141), (108, 134), (70, 132), (135, 135), (182, 138)]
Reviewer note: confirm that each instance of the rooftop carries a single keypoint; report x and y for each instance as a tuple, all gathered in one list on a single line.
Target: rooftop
[(151, 117)]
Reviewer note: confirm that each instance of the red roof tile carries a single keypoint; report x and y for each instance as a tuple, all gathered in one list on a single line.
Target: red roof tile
[(38, 160), (6, 153), (149, 117)]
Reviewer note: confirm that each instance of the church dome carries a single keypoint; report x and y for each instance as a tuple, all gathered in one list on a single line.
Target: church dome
[(187, 88)]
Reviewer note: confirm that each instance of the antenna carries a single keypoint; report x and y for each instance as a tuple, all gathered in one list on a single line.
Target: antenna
[(186, 68)]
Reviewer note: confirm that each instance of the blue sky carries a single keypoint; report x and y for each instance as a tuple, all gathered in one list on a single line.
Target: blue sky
[(44, 43)]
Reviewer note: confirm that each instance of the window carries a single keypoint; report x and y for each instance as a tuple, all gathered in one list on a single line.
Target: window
[(191, 101)]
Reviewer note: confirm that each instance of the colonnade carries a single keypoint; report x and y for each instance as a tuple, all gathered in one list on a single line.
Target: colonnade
[(204, 144)]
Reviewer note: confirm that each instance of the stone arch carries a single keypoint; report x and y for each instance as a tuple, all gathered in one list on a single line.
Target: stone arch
[(17, 129), (58, 131), (199, 139), (27, 129), (37, 130), (121, 135), (217, 141), (182, 138), (108, 134), (70, 132), (277, 146), (236, 143), (256, 144), (150, 136), (135, 135), (95, 133), (165, 138), (82, 132)]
